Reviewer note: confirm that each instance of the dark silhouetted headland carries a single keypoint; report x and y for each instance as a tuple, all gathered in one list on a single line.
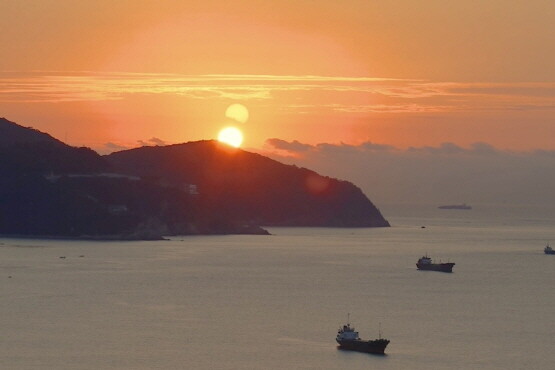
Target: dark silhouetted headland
[(249, 186), (48, 188)]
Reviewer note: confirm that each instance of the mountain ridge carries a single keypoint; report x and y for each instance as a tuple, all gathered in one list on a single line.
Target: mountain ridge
[(12, 133), (263, 187), (205, 187)]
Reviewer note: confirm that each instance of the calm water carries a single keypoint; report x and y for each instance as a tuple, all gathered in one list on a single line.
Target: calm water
[(275, 302)]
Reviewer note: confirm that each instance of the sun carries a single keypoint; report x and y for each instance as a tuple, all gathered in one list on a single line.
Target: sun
[(237, 112), (231, 136)]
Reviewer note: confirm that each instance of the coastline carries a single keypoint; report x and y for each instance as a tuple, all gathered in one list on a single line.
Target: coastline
[(146, 236)]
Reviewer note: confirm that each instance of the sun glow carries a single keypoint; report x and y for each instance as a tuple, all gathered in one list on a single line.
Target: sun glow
[(237, 112), (231, 136)]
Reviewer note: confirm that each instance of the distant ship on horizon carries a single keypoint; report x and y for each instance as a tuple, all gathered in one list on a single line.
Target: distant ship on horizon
[(455, 206), (548, 250)]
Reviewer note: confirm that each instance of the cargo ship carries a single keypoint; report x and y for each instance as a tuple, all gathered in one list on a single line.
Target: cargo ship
[(455, 206), (548, 250), (425, 263), (348, 339)]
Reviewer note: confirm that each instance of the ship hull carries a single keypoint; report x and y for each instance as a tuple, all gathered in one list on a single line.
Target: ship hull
[(549, 252), (367, 346), (442, 267), (455, 206)]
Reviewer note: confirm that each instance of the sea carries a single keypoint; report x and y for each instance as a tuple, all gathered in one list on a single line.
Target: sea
[(276, 302)]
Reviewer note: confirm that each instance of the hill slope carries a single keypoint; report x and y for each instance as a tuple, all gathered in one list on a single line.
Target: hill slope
[(48, 188), (250, 187), (26, 150)]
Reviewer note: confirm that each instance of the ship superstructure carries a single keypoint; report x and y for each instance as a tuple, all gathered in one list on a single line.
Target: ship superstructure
[(348, 339)]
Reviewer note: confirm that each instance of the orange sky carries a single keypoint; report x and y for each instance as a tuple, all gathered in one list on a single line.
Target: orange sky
[(108, 74)]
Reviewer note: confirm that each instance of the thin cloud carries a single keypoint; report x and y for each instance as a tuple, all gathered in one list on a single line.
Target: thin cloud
[(114, 147), (293, 146), (275, 146), (157, 141), (396, 108), (379, 95), (152, 142), (448, 173)]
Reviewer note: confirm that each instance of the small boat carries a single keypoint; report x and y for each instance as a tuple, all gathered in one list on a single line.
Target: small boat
[(425, 263), (348, 339), (455, 206), (548, 250)]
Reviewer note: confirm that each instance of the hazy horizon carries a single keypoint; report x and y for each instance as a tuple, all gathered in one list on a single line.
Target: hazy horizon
[(446, 174)]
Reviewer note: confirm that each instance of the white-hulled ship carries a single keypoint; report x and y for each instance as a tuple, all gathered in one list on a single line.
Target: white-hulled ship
[(348, 339)]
